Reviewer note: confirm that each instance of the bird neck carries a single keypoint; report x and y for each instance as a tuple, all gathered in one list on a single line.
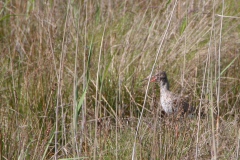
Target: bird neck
[(164, 85)]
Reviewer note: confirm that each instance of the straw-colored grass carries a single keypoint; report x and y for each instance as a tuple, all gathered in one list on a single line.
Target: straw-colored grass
[(72, 79)]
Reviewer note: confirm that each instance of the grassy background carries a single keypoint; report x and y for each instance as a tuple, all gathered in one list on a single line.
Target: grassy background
[(72, 78)]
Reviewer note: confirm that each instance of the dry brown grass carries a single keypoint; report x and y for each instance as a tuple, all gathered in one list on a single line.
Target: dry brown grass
[(72, 71)]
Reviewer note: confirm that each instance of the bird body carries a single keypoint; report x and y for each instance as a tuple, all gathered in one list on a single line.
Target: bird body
[(167, 100), (171, 103)]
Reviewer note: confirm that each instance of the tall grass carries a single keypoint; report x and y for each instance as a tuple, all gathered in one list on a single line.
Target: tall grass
[(72, 79)]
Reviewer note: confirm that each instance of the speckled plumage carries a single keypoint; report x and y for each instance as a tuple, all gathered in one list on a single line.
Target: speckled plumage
[(171, 103)]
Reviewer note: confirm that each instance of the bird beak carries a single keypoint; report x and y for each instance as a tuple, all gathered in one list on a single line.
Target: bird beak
[(153, 79)]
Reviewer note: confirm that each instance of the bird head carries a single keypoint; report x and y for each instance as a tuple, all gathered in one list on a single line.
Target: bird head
[(160, 77)]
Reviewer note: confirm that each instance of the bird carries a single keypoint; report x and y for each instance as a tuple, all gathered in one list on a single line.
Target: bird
[(172, 104)]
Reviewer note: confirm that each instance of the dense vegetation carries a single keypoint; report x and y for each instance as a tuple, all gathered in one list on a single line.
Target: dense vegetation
[(72, 79)]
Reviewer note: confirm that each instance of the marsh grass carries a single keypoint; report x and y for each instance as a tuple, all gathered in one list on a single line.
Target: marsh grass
[(72, 79)]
